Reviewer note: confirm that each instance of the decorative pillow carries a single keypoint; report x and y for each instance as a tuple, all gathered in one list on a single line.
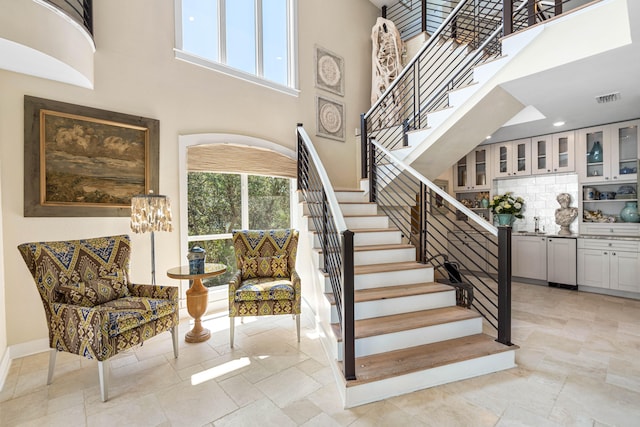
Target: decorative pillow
[(270, 266), (95, 291)]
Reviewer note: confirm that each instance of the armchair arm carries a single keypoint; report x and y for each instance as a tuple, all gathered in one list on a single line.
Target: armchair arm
[(79, 330), (296, 283), (155, 291)]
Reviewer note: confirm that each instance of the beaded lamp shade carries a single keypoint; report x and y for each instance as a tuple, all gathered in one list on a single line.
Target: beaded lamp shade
[(151, 213)]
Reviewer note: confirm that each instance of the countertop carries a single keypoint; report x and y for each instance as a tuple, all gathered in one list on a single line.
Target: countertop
[(575, 236)]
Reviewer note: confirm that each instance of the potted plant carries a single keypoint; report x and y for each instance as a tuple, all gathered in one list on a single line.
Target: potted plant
[(506, 207)]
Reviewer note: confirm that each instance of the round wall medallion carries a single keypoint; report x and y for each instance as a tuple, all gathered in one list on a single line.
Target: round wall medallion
[(328, 70), (330, 118)]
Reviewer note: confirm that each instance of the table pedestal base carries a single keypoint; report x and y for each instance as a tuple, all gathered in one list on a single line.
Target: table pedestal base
[(197, 299)]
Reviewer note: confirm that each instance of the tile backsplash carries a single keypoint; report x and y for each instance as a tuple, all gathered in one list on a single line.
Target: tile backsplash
[(539, 193)]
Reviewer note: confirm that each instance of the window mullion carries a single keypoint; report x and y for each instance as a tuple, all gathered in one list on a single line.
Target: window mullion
[(244, 198), (222, 31), (259, 39)]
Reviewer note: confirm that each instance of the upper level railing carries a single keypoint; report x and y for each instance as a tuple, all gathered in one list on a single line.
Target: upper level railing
[(80, 11), (431, 219), (413, 17), (467, 36), (335, 240)]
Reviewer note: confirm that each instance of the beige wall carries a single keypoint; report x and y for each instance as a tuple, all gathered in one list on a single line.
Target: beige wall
[(136, 73)]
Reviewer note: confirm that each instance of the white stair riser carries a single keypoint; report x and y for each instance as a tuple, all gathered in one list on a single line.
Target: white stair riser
[(351, 197), (415, 337), (395, 386), (384, 256), (391, 278), (436, 118), (391, 306), (419, 135), (359, 208), (355, 222), (483, 72), (370, 238), (460, 96), (388, 278), (374, 257)]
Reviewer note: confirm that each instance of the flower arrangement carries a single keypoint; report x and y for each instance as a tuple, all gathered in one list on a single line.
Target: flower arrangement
[(507, 204)]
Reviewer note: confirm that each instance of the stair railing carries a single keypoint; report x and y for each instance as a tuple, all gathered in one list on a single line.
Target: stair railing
[(464, 31), (335, 239), (469, 36), (442, 228)]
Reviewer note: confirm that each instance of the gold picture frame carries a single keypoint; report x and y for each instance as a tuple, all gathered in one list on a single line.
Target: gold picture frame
[(85, 162)]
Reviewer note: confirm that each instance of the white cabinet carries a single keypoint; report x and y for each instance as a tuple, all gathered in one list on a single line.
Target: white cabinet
[(529, 257), (609, 264), (604, 201), (608, 153), (561, 260), (472, 171), (553, 153), (511, 158)]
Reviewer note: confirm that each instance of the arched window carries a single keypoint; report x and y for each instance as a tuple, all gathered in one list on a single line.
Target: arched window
[(250, 39), (232, 182)]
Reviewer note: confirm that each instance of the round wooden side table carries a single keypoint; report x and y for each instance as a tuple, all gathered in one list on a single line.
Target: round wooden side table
[(197, 297)]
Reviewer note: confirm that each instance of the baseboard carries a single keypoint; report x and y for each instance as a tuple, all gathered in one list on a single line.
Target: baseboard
[(5, 365), (28, 348)]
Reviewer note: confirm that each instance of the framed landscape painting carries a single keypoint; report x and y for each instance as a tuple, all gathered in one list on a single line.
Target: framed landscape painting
[(81, 161)]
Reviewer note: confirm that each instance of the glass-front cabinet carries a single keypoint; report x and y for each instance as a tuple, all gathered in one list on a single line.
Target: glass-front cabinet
[(553, 153), (608, 153), (512, 158), (471, 172)]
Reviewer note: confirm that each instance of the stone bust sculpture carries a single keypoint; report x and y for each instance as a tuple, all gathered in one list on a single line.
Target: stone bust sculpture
[(565, 215)]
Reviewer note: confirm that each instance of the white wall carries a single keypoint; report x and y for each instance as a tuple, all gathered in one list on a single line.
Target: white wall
[(136, 73)]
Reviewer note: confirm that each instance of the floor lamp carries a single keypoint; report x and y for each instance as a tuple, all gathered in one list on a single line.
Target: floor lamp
[(151, 213)]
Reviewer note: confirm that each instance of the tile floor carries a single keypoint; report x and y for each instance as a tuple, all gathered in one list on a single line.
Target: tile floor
[(578, 365)]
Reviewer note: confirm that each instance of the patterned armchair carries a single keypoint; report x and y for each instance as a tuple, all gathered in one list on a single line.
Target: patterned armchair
[(266, 282), (91, 307)]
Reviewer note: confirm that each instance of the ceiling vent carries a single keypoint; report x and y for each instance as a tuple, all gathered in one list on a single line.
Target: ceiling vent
[(610, 97)]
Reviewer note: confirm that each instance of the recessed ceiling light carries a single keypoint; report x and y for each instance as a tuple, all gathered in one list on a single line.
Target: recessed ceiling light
[(558, 124), (488, 137)]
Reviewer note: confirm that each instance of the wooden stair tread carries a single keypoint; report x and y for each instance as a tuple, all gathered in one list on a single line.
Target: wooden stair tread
[(405, 321), (347, 190), (412, 320), (387, 267), (406, 361), (398, 291), (382, 247)]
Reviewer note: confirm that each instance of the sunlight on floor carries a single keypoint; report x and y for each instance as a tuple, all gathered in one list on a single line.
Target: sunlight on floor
[(219, 371)]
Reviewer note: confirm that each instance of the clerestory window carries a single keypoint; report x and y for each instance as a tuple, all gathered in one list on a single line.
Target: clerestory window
[(249, 39)]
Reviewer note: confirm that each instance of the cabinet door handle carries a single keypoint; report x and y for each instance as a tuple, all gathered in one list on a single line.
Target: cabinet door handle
[(615, 177), (606, 253), (613, 253)]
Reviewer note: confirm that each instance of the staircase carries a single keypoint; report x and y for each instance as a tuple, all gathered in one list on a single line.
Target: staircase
[(486, 95), (409, 333)]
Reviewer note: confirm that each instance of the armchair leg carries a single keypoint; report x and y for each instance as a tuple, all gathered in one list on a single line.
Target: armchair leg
[(174, 339), (298, 326), (103, 372), (52, 363), (232, 325)]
